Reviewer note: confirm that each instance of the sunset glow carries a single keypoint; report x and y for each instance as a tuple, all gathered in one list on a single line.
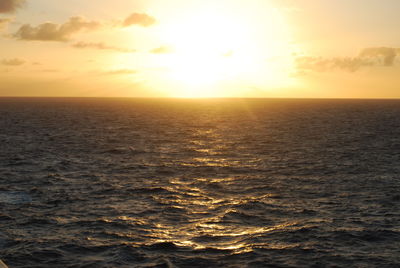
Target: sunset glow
[(255, 48), (211, 46), (199, 133)]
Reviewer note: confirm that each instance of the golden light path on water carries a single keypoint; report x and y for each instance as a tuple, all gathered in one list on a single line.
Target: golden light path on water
[(207, 208), (218, 205), (194, 183)]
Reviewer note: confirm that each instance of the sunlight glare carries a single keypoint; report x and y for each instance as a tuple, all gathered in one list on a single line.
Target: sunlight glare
[(216, 45)]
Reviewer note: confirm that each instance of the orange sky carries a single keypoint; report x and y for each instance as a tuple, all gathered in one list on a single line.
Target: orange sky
[(200, 48)]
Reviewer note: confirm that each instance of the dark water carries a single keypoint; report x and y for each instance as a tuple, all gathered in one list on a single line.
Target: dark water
[(199, 183)]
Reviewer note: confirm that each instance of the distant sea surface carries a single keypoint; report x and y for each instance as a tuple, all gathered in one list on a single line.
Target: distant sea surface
[(199, 183)]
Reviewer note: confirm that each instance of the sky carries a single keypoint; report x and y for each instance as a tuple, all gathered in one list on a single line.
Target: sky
[(200, 48)]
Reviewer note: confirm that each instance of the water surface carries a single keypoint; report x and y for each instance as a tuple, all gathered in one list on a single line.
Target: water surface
[(199, 183)]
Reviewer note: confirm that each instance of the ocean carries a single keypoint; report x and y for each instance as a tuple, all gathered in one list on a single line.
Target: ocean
[(199, 183)]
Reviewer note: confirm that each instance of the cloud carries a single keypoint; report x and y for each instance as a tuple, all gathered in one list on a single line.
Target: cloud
[(388, 54), (101, 46), (161, 50), (4, 22), (228, 54), (49, 31), (374, 56), (322, 64), (140, 19), (12, 62), (49, 70), (120, 72), (10, 6)]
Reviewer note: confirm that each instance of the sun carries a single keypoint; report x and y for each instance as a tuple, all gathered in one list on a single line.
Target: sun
[(214, 44)]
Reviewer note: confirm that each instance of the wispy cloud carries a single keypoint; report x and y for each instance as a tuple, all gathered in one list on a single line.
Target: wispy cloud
[(119, 72), (49, 70), (4, 22), (320, 64), (10, 6), (49, 31), (161, 50), (374, 56), (387, 54), (140, 19), (12, 62), (101, 46)]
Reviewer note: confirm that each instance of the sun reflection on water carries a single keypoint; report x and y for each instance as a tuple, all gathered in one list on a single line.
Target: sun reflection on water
[(207, 210), (209, 229), (207, 200)]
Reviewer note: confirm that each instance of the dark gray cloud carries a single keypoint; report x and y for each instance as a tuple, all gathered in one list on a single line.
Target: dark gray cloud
[(12, 62), (49, 31), (374, 56), (162, 50), (140, 19), (101, 46), (10, 6)]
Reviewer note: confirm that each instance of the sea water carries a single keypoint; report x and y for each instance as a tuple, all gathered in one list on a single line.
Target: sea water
[(199, 183)]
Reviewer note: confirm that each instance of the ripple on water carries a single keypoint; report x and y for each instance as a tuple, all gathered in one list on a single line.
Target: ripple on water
[(190, 183), (15, 198)]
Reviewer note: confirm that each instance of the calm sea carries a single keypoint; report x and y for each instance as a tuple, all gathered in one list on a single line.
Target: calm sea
[(199, 183)]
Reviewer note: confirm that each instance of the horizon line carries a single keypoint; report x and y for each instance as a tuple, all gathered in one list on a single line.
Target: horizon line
[(198, 98)]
